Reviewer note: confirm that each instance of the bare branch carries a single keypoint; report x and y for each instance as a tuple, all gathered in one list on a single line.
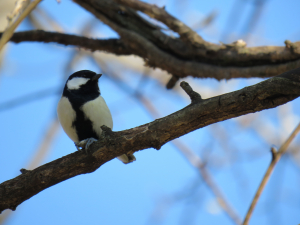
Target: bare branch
[(276, 155), (29, 98), (171, 83), (184, 59), (264, 95), (109, 45), (186, 33), (196, 161), (171, 62)]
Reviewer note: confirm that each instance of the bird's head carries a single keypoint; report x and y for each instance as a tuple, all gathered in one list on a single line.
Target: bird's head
[(83, 81)]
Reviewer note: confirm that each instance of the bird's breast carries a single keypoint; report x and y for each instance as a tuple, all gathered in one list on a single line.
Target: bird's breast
[(98, 113), (66, 116)]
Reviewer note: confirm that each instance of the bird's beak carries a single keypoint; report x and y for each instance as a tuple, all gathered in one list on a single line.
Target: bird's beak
[(96, 77)]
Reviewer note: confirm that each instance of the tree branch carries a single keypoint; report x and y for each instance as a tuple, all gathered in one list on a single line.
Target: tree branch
[(264, 95), (276, 155), (175, 55), (275, 54), (185, 32), (115, 46), (194, 159), (185, 59)]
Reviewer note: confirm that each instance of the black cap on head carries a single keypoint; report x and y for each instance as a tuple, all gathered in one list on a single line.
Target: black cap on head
[(84, 74), (82, 83)]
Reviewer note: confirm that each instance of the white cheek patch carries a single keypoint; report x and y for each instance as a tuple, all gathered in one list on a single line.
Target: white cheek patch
[(76, 82)]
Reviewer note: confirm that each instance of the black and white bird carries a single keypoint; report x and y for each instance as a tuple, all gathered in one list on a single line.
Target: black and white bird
[(82, 110)]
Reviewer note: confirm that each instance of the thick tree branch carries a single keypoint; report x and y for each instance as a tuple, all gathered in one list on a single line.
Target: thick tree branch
[(186, 33), (124, 15), (162, 51), (181, 57), (194, 159), (156, 57), (264, 95), (269, 53)]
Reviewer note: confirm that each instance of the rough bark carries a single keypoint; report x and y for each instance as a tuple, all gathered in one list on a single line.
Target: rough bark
[(187, 55), (200, 113)]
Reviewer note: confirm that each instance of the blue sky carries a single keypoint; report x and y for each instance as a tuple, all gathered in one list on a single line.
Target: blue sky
[(161, 187)]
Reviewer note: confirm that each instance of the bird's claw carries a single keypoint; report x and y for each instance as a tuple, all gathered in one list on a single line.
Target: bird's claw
[(85, 144)]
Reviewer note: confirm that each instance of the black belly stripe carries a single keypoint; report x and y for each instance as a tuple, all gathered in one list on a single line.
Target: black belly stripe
[(82, 125)]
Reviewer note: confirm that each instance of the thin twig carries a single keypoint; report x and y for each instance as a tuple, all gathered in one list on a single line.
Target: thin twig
[(194, 96), (172, 82), (275, 158), (196, 161), (113, 45), (11, 27), (29, 98)]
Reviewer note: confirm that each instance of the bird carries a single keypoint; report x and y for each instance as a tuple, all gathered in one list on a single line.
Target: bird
[(82, 111)]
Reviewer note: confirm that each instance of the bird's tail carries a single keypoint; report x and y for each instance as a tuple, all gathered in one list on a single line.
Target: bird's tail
[(127, 158)]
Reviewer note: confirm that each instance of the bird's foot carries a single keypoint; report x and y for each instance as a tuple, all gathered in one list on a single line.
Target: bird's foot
[(85, 144)]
